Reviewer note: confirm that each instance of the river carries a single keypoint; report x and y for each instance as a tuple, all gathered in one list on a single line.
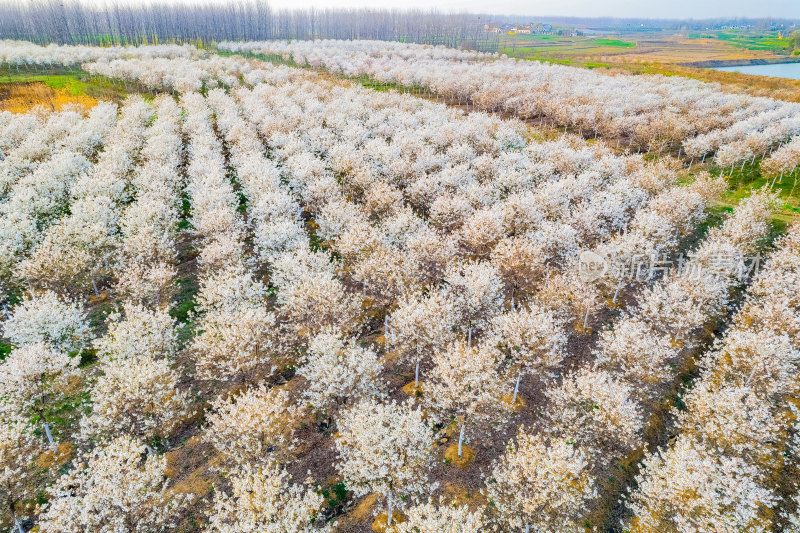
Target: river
[(777, 70)]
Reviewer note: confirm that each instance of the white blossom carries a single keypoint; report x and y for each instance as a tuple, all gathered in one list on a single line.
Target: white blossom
[(113, 488)]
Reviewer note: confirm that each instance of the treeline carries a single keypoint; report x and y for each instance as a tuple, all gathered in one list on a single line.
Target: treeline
[(115, 23)]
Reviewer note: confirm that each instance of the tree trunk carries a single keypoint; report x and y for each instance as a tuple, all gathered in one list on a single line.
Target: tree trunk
[(389, 514), (416, 376), (49, 435), (461, 437), (516, 390)]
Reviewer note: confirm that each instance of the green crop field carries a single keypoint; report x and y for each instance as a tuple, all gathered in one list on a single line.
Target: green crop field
[(755, 41), (71, 82), (617, 43)]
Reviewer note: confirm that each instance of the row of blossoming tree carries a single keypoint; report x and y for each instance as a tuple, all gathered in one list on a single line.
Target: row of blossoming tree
[(650, 113)]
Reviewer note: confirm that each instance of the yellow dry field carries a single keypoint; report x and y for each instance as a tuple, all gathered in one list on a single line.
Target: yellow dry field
[(677, 49), (22, 97), (734, 82)]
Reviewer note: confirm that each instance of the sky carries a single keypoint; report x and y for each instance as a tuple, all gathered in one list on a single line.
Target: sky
[(681, 9)]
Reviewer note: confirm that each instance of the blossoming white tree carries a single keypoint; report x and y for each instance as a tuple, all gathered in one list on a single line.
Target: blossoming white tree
[(443, 518), (476, 292), (420, 326), (310, 296), (337, 369), (138, 331), (531, 339), (688, 488), (46, 317), (253, 426), (631, 349), (596, 412), (138, 390), (733, 420), (465, 383), (384, 448), (138, 396), (113, 488), (541, 484), (234, 324), (264, 499), (18, 449), (33, 376)]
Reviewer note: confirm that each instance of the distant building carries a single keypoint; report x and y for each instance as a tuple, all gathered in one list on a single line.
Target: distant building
[(491, 29), (533, 28)]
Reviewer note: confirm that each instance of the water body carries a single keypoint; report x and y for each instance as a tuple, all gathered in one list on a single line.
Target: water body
[(776, 70)]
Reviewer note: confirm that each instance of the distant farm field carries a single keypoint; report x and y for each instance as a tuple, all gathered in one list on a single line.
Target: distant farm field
[(670, 53), (21, 91), (652, 46)]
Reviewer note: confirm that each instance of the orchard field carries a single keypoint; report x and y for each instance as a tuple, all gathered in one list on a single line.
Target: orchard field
[(297, 286)]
